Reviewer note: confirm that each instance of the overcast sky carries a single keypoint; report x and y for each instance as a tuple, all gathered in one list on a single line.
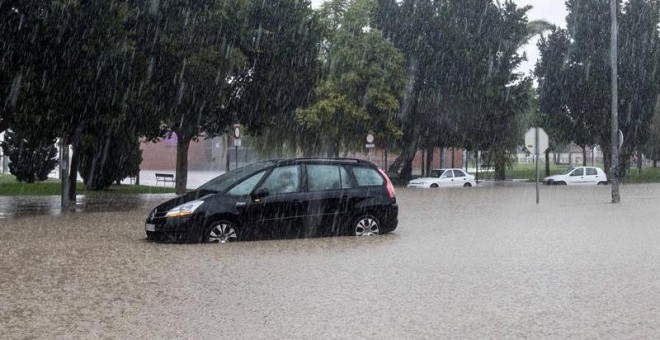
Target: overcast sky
[(553, 11)]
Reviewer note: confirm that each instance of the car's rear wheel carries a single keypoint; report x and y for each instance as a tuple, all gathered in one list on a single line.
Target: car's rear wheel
[(560, 183), (366, 225), (434, 185), (467, 185), (222, 231), (602, 183)]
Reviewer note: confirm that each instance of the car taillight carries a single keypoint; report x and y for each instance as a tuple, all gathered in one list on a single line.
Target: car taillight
[(388, 184)]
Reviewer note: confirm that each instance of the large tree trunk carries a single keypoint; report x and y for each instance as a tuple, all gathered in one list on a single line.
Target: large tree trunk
[(429, 159), (75, 161), (64, 174), (584, 155), (476, 165), (498, 158), (73, 173), (547, 162), (182, 145)]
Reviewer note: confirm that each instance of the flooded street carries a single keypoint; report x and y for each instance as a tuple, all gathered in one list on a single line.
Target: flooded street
[(484, 262)]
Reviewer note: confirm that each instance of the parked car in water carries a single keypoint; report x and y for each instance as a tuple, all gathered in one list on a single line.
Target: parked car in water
[(582, 175), (281, 198), (444, 178)]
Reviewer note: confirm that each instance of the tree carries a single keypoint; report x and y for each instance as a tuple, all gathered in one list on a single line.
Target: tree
[(32, 159), (109, 155), (74, 66), (461, 60), (639, 75), (194, 55), (362, 86), (576, 75), (552, 73), (651, 148), (284, 69)]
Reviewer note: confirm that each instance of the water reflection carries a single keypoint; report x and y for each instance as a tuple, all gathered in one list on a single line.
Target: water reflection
[(18, 206)]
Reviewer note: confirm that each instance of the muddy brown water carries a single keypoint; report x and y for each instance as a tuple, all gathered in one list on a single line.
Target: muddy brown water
[(475, 263)]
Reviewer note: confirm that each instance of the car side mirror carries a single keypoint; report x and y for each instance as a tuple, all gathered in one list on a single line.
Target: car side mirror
[(260, 193)]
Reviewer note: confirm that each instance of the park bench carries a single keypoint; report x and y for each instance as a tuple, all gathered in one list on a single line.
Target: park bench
[(165, 178)]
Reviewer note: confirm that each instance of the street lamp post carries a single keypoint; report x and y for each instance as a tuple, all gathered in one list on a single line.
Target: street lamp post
[(616, 197)]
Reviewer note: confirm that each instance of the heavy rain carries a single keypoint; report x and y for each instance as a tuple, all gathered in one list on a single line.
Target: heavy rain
[(500, 154)]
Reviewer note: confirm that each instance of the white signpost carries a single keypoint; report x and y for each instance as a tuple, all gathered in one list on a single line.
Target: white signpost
[(370, 145), (237, 140), (536, 141)]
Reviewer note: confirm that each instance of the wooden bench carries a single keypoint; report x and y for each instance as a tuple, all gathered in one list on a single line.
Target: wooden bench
[(165, 178)]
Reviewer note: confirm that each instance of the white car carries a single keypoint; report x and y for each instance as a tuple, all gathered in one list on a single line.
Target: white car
[(583, 175), (444, 178)]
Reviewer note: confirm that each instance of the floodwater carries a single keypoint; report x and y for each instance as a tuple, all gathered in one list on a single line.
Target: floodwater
[(465, 263)]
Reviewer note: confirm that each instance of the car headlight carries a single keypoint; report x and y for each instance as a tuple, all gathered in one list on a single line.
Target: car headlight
[(184, 209)]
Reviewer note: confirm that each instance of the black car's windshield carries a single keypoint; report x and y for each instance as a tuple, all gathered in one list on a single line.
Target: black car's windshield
[(224, 181)]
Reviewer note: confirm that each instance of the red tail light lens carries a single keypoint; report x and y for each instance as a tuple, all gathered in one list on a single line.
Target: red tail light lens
[(388, 183)]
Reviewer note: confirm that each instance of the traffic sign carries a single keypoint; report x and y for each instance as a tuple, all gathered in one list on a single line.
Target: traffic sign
[(370, 141), (237, 131), (530, 140)]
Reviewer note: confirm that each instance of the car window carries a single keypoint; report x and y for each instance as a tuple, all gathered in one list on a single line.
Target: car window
[(591, 172), (448, 174), (226, 180), (437, 173), (282, 180), (459, 173), (246, 187), (577, 172), (367, 177), (345, 178), (323, 177)]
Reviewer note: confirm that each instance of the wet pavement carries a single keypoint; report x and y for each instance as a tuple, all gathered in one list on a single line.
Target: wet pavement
[(464, 263)]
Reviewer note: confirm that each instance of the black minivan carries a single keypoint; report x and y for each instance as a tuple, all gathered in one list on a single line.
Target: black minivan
[(302, 197)]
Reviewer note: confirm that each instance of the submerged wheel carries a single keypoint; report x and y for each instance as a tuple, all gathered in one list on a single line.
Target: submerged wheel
[(560, 183), (467, 185), (602, 183), (221, 232), (434, 185), (366, 225)]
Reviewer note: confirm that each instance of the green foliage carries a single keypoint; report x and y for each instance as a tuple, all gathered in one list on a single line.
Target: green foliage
[(575, 73), (362, 87), (30, 159), (652, 146), (109, 157), (461, 59)]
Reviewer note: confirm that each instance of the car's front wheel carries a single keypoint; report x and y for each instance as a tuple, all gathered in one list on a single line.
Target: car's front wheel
[(366, 225), (434, 185), (467, 185), (222, 232)]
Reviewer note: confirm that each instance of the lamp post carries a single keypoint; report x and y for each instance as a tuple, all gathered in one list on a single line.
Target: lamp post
[(616, 197)]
